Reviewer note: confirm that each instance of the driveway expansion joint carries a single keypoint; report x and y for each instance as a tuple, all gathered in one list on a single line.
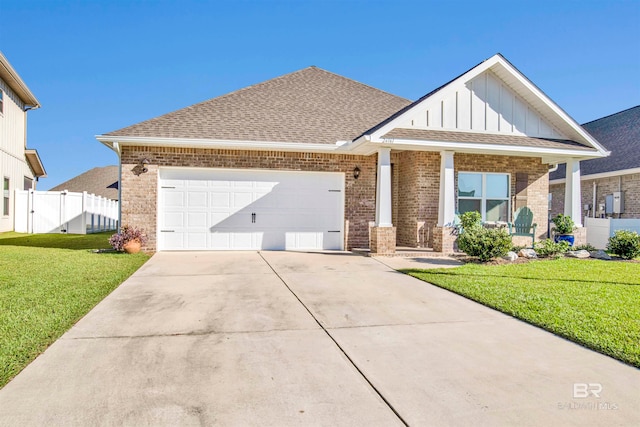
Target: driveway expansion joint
[(344, 353)]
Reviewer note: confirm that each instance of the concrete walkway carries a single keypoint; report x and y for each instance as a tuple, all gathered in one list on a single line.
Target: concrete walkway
[(283, 338)]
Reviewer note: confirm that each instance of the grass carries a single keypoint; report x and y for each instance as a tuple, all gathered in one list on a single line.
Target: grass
[(47, 283), (590, 302)]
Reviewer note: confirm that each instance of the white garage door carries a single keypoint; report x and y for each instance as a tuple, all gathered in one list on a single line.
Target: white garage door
[(226, 209)]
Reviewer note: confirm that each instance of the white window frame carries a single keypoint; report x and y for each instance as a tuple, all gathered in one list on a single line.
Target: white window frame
[(483, 199), (6, 195)]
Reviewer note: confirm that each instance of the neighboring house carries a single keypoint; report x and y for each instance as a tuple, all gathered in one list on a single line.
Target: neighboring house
[(601, 178), (313, 160), (101, 181), (20, 167)]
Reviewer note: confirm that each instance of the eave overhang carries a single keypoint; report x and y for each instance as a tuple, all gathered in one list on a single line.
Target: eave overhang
[(33, 159), (111, 141), (13, 80)]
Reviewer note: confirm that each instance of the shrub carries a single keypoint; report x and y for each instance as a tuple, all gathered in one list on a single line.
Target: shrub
[(549, 249), (484, 243), (517, 248), (625, 244), (564, 224), (586, 247), (126, 235), (471, 220)]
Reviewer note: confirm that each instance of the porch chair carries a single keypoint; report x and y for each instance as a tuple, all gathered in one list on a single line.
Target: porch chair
[(523, 224)]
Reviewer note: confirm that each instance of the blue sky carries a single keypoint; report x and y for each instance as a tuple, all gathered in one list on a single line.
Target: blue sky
[(97, 66)]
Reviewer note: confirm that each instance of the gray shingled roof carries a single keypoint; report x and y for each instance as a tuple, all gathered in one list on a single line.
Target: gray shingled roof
[(309, 106), (483, 138), (98, 181), (618, 133)]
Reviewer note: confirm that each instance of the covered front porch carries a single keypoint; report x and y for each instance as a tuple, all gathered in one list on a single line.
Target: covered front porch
[(419, 192)]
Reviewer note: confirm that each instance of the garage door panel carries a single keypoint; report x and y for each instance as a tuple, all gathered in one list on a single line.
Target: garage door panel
[(173, 199), (212, 209), (197, 199), (173, 219)]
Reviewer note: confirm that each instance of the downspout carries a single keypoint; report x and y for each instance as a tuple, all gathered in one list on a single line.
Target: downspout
[(116, 148), (595, 198), (554, 168)]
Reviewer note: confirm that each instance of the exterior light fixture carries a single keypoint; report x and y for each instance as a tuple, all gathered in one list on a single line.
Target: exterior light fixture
[(143, 164), (356, 172)]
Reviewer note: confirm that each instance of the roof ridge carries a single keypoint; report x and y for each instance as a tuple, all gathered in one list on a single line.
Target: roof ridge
[(610, 115)]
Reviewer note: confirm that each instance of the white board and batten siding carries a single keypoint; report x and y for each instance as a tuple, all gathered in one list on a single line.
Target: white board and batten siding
[(13, 164), (230, 209), (484, 104)]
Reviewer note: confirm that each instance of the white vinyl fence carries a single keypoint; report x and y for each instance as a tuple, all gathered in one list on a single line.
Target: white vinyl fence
[(600, 229), (63, 212)]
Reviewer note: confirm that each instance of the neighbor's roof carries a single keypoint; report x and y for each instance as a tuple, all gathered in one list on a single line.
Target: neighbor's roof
[(99, 181), (483, 138), (307, 106), (13, 80), (620, 134)]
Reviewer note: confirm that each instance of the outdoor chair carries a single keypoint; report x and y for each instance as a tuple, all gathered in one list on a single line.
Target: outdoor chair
[(523, 224)]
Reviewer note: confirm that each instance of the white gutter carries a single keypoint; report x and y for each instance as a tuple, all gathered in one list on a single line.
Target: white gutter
[(219, 143), (599, 175)]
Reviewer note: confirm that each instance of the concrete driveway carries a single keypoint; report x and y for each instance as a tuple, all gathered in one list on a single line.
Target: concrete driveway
[(284, 338)]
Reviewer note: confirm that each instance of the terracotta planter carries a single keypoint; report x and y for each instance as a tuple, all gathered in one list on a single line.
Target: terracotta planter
[(132, 247)]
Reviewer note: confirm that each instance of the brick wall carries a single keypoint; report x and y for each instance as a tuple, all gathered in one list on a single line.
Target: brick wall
[(419, 188), (139, 193), (629, 184), (418, 191), (537, 188)]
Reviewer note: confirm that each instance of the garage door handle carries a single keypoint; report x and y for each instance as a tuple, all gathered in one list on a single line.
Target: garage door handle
[(253, 218), (167, 231), (333, 231)]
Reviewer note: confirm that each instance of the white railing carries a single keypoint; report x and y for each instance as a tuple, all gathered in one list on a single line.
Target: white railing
[(600, 229), (63, 212)]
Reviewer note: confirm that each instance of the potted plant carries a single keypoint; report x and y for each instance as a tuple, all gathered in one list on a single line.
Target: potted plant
[(129, 239), (564, 229)]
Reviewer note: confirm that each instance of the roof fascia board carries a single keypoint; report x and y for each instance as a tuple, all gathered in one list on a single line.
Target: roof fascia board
[(35, 163), (518, 150), (529, 85), (452, 86), (220, 144), (496, 60), (599, 175), (13, 80)]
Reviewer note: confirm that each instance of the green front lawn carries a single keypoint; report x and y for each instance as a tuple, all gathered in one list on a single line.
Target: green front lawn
[(594, 303), (47, 283)]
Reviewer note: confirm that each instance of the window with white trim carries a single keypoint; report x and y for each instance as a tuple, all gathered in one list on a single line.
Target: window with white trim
[(5, 197), (487, 193)]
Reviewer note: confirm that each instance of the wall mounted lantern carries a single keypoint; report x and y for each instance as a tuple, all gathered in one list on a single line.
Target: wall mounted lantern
[(356, 172)]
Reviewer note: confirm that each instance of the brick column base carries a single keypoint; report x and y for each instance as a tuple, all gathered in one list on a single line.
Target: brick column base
[(580, 235), (383, 240), (444, 239)]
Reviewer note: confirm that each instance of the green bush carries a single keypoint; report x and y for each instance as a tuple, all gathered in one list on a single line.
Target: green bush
[(549, 249), (470, 220), (625, 244), (586, 247), (484, 243), (564, 224)]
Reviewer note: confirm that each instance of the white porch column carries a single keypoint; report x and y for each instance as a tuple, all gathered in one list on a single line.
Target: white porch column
[(383, 189), (573, 193), (447, 200)]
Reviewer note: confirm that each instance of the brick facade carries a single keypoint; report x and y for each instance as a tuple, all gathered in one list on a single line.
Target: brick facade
[(139, 192), (383, 240), (629, 184), (415, 186)]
